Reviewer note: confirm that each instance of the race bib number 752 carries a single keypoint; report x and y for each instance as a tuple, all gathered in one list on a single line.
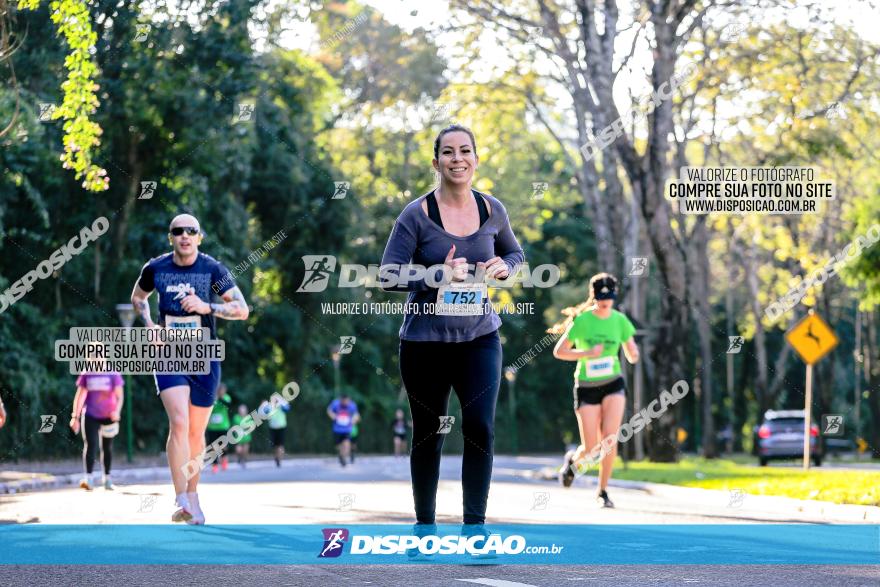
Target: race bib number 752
[(461, 299)]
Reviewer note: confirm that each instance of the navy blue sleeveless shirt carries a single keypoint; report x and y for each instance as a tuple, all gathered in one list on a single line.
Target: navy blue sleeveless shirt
[(173, 283)]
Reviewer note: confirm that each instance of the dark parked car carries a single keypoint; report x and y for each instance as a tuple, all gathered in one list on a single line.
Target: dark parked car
[(781, 436)]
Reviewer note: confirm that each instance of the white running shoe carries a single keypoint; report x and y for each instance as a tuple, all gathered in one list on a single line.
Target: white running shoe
[(184, 514), (198, 517), (86, 483)]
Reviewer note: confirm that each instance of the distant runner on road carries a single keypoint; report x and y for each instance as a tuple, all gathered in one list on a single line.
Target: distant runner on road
[(244, 420), (277, 427), (2, 413), (344, 413), (400, 429), (218, 425), (97, 407)]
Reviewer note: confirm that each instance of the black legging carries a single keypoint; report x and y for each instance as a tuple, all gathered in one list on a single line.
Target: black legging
[(473, 369), (90, 431)]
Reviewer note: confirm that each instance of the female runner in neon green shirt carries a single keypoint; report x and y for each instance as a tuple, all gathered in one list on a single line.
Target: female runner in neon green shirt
[(593, 339)]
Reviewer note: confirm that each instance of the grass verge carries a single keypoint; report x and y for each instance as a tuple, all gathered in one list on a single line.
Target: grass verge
[(852, 487)]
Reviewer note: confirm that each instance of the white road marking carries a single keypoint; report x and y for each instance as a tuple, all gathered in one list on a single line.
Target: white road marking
[(497, 582)]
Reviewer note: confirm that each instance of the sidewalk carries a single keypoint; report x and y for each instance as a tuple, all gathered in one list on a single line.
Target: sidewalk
[(20, 478)]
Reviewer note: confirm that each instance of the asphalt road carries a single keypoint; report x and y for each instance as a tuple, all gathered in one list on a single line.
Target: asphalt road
[(447, 576), (377, 490)]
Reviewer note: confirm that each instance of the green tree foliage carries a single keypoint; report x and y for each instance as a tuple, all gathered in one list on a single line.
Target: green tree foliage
[(81, 133), (363, 107)]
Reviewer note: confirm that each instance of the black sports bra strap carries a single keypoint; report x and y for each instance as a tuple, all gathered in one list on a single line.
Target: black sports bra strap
[(481, 204), (434, 210)]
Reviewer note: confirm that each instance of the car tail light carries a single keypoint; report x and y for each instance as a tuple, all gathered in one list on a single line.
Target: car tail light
[(764, 431), (814, 430)]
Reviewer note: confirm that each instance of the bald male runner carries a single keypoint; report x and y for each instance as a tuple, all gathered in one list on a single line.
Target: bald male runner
[(185, 280)]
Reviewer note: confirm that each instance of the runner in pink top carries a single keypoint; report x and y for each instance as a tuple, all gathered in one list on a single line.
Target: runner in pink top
[(98, 402)]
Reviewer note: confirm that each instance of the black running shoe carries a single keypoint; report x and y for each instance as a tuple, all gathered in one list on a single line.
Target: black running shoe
[(341, 460), (566, 472), (606, 501)]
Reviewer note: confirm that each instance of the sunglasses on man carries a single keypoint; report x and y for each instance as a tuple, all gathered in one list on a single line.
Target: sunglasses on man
[(179, 230)]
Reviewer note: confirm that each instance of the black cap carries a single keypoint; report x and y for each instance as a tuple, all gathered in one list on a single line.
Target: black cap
[(604, 289)]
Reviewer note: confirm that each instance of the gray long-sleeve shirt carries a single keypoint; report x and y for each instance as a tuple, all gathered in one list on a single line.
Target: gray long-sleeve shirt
[(418, 240)]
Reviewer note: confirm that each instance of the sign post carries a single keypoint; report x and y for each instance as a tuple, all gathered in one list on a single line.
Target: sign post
[(808, 414), (812, 338)]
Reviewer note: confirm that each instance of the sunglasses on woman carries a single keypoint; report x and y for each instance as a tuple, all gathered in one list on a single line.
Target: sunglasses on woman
[(179, 230)]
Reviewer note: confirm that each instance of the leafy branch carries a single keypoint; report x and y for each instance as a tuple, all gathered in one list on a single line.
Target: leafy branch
[(81, 135)]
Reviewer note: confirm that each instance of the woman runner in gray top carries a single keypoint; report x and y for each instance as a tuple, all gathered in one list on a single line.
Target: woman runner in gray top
[(455, 343)]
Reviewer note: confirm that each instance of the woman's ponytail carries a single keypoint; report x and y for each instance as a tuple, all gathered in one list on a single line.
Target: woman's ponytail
[(573, 312)]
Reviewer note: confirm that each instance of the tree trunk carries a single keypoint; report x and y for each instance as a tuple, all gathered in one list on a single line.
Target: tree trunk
[(134, 188), (735, 442), (58, 304), (588, 185), (741, 406), (760, 341), (872, 367), (702, 316), (648, 177), (97, 271)]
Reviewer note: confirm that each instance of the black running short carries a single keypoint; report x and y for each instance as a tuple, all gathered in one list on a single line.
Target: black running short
[(277, 436), (593, 396), (213, 435)]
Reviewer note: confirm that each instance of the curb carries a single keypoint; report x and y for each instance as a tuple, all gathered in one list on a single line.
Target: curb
[(45, 481)]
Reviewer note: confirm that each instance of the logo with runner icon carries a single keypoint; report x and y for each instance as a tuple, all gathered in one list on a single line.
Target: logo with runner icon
[(832, 425), (147, 503), (244, 112), (346, 500), (148, 188), (346, 344), (141, 31), (734, 345), (47, 423), (539, 188), (340, 190), (446, 423), (46, 111), (180, 291), (639, 267), (533, 34), (542, 498), (334, 540), (737, 496), (318, 271)]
